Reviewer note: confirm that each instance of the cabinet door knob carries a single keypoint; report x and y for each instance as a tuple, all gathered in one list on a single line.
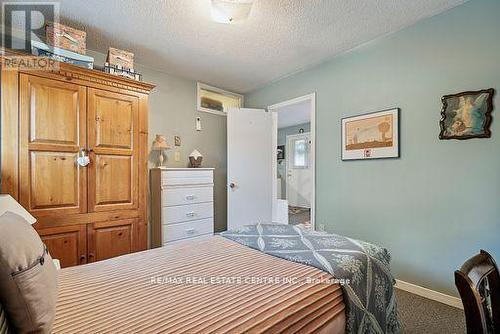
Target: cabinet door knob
[(83, 259), (83, 159)]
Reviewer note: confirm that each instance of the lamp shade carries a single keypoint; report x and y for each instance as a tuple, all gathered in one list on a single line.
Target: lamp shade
[(160, 143)]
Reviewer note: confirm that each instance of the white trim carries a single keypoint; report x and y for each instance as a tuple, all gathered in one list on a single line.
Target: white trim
[(311, 96), (200, 85), (430, 294), (273, 108)]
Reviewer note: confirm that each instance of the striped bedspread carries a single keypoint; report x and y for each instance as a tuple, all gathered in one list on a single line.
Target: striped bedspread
[(200, 286), (4, 326)]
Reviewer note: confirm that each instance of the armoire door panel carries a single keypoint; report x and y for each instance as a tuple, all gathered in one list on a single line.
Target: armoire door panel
[(113, 138), (114, 121), (68, 244), (109, 169), (52, 131), (54, 180), (110, 239), (54, 113)]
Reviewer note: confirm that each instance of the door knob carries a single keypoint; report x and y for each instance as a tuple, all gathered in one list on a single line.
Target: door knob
[(232, 185), (83, 159)]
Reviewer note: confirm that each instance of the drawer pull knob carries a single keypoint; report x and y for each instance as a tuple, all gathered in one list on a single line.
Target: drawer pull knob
[(190, 197), (190, 231), (190, 214)]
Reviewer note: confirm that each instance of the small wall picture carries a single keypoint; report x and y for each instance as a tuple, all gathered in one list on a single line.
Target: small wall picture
[(371, 136), (177, 140), (281, 152), (467, 115)]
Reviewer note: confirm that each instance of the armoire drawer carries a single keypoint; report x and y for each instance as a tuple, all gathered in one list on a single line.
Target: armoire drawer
[(183, 213), (184, 177), (190, 229), (186, 195)]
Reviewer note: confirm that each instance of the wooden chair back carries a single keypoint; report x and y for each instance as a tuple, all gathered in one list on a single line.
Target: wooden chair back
[(478, 282)]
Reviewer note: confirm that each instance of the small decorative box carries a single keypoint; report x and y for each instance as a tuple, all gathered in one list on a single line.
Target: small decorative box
[(120, 58), (64, 37)]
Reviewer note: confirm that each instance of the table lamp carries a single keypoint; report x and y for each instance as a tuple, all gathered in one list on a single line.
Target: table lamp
[(160, 144)]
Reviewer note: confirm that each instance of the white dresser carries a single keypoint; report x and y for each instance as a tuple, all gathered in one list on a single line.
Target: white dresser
[(182, 204)]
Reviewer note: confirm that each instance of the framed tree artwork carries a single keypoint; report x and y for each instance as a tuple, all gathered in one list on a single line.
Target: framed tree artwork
[(467, 115), (371, 136)]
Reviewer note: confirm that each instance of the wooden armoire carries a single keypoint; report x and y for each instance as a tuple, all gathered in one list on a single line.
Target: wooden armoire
[(49, 119)]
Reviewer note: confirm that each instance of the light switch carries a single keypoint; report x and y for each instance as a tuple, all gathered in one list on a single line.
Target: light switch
[(177, 156), (198, 124)]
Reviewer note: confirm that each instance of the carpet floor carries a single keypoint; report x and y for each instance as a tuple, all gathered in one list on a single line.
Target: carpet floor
[(299, 216), (422, 315)]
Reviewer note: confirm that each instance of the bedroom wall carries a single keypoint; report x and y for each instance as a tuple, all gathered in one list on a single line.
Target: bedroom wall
[(439, 203), (173, 113)]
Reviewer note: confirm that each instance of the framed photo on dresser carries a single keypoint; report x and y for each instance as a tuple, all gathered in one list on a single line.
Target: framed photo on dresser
[(372, 135)]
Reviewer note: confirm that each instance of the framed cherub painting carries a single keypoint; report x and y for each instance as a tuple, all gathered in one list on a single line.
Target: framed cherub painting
[(467, 115)]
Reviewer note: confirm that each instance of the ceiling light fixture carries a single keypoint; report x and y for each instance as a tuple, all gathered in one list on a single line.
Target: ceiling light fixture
[(230, 11)]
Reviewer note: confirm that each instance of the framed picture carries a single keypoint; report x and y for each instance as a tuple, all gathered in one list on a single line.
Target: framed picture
[(215, 100), (281, 152), (467, 115), (371, 136)]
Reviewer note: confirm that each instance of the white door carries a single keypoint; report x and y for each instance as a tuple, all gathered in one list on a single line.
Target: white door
[(249, 167), (299, 171)]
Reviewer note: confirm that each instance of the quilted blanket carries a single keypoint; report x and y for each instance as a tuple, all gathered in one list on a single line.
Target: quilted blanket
[(361, 267)]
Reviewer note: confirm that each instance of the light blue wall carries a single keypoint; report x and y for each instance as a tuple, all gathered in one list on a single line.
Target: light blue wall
[(282, 133), (440, 202)]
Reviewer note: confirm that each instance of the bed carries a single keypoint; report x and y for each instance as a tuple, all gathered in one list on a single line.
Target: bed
[(263, 278), (192, 287)]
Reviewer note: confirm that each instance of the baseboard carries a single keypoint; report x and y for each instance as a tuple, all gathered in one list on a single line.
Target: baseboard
[(430, 294)]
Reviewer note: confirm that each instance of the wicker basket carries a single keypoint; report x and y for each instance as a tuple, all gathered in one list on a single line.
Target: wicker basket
[(66, 38), (120, 58)]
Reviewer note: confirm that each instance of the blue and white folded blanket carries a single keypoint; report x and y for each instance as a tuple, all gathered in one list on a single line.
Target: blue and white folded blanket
[(370, 300)]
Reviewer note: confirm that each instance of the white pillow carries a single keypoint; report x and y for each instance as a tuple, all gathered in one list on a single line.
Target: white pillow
[(7, 203)]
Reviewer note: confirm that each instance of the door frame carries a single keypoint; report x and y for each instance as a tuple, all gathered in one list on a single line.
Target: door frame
[(275, 109)]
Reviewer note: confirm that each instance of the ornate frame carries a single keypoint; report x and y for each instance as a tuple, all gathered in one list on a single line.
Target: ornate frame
[(488, 118)]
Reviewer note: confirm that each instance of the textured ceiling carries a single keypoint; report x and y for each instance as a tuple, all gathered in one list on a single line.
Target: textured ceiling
[(279, 38)]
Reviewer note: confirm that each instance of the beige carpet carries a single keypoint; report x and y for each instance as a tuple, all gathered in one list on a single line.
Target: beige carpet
[(422, 315), (299, 216)]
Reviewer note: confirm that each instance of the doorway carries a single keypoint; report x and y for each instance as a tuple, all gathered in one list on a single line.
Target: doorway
[(294, 161)]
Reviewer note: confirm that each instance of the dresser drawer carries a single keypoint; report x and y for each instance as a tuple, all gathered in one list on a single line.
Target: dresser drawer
[(182, 213), (174, 178), (187, 230), (186, 195)]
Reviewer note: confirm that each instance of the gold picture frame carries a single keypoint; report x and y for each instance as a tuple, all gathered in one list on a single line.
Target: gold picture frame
[(372, 135)]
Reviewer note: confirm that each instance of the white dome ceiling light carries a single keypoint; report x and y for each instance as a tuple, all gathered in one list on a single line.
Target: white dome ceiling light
[(231, 11)]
